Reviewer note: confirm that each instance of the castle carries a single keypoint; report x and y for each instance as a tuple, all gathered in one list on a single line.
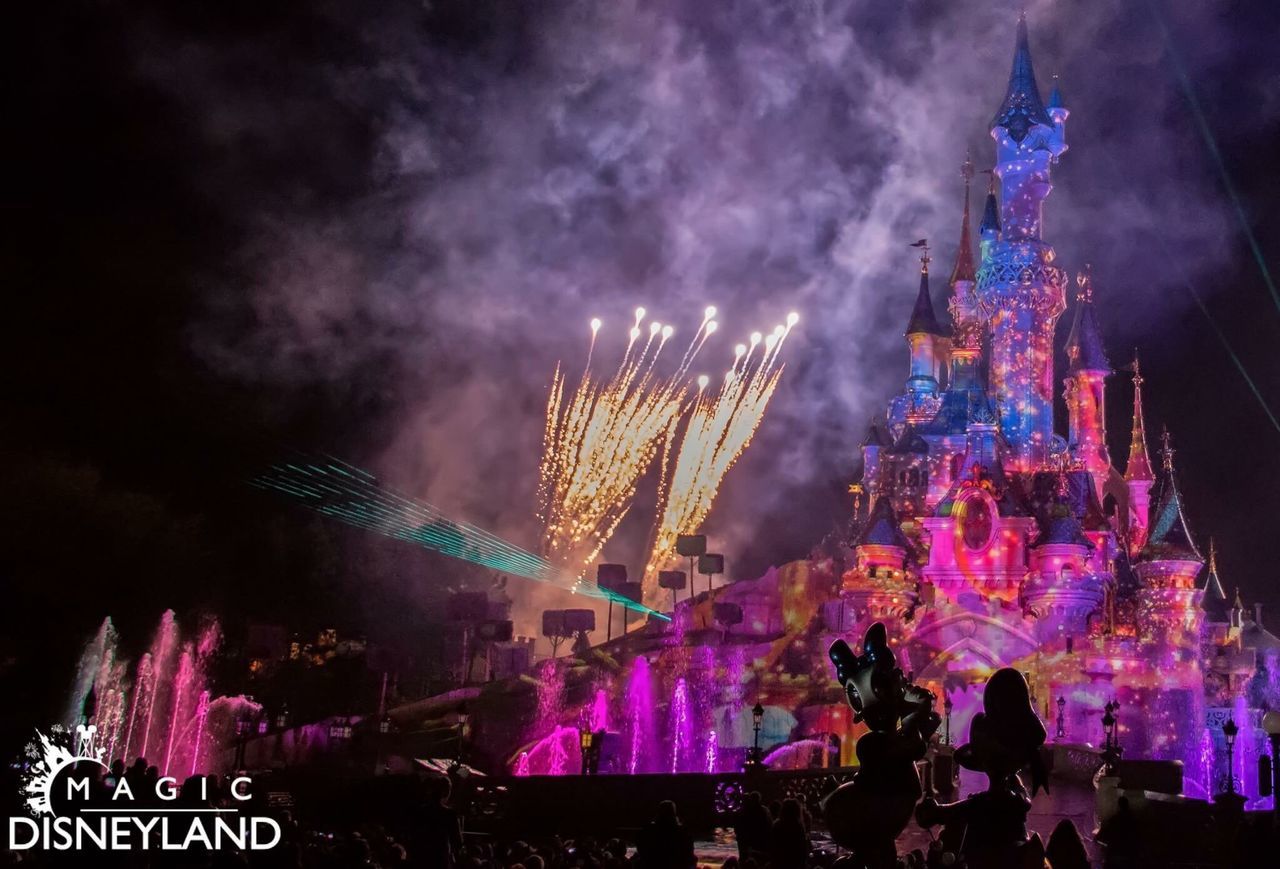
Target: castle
[(990, 540), (981, 538)]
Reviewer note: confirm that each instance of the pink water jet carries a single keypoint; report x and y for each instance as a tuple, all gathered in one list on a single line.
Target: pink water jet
[(640, 719), (163, 710), (680, 725), (599, 719)]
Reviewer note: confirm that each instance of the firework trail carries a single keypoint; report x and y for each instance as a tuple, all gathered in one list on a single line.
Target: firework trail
[(719, 429), (601, 439)]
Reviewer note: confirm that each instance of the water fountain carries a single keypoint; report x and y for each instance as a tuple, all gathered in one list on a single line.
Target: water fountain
[(165, 711), (640, 723)]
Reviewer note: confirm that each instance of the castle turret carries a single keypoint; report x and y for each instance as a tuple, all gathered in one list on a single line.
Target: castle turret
[(1169, 564), (1018, 283), (1137, 472), (1085, 393), (1063, 590), (966, 317), (876, 440), (877, 586), (925, 337)]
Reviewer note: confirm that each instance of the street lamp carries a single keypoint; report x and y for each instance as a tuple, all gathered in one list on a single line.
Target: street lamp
[(947, 706), (754, 758), (463, 718), (1062, 722), (1271, 725), (1229, 731), (1110, 742), (589, 741), (243, 726), (282, 717)]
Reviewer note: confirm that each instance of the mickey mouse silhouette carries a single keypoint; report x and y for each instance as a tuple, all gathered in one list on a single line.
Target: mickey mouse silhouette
[(867, 814)]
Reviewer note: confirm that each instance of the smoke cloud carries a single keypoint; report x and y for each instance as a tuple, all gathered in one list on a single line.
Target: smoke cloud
[(485, 177)]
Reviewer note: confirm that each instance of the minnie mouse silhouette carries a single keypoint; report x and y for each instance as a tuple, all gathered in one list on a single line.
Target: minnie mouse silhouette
[(989, 829)]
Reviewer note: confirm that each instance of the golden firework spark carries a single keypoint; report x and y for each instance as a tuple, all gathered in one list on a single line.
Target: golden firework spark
[(719, 430), (601, 439)]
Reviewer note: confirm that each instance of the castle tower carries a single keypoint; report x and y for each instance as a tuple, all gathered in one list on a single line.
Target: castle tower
[(1020, 288), (966, 317), (1168, 565), (1137, 472), (877, 586), (1087, 370), (925, 338), (1063, 589)]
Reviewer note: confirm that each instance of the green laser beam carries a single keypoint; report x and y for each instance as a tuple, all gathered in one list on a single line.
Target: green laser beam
[(347, 494), (1217, 330), (1211, 142)]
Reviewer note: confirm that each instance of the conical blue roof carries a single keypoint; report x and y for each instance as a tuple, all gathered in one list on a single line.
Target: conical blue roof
[(1170, 539), (990, 215), (923, 318), (1214, 599), (1085, 351), (1022, 108), (882, 527)]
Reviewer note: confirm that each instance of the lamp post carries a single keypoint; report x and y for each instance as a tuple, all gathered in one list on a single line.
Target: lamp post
[(589, 742), (1229, 731), (384, 728), (1110, 743), (1271, 725), (1062, 721), (754, 759), (947, 706), (243, 724), (463, 717), (282, 717)]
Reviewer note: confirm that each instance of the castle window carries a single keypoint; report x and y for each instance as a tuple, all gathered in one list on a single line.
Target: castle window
[(976, 523)]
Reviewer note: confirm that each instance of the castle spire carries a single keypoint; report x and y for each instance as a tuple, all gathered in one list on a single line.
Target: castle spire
[(964, 268), (1022, 108), (1214, 599), (1138, 467), (923, 320), (1085, 351), (1169, 538), (989, 228)]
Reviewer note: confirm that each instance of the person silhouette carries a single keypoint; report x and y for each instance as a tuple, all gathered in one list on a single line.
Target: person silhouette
[(868, 814), (990, 828)]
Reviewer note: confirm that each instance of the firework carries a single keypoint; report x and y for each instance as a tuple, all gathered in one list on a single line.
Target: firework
[(719, 429), (600, 439)]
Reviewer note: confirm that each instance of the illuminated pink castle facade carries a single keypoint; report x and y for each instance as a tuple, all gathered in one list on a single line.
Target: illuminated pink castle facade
[(990, 540)]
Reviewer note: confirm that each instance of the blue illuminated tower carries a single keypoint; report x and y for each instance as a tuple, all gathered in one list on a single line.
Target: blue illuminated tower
[(1019, 287)]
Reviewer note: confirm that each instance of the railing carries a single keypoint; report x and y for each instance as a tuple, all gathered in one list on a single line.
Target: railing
[(608, 804)]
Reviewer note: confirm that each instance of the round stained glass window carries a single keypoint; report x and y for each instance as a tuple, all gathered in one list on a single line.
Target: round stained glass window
[(975, 524)]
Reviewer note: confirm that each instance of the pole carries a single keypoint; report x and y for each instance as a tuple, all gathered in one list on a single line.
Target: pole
[(1275, 777), (609, 629), (691, 576)]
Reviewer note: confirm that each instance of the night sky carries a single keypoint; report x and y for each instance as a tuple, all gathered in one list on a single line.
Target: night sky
[(240, 229)]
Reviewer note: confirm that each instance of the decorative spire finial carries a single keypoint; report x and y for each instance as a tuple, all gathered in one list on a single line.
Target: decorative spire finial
[(1213, 557), (1084, 280), (964, 269), (1166, 449), (925, 259), (1139, 466)]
